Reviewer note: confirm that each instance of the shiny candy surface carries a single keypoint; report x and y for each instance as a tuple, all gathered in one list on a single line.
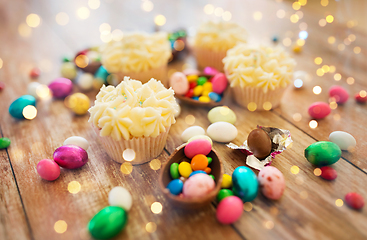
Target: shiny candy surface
[(201, 81), (199, 162), (215, 97), (108, 222), (179, 83), (198, 146), (192, 132), (78, 141), (210, 71), (175, 186), (271, 182), (223, 193), (259, 143), (61, 87), (245, 184), (339, 93), (79, 103), (68, 70), (222, 132), (196, 172), (48, 169), (319, 110), (85, 81), (185, 169), (198, 185), (70, 156), (102, 74), (361, 98), (354, 200), (323, 153), (201, 137), (120, 197), (328, 173), (222, 114), (343, 139), (173, 169), (229, 210), (16, 108), (4, 143), (220, 83), (226, 181)]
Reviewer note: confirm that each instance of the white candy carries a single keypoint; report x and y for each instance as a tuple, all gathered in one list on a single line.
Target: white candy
[(32, 89), (77, 141), (85, 81), (222, 132), (119, 196), (191, 132), (343, 139), (178, 108), (201, 137)]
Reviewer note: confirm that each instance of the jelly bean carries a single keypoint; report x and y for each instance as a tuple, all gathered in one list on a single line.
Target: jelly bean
[(339, 93), (16, 108), (220, 83), (184, 169), (192, 78), (196, 172), (191, 132), (212, 176), (206, 93), (66, 59), (4, 143), (85, 81), (222, 131), (102, 74), (120, 197), (173, 169), (2, 85), (222, 114), (208, 86), (215, 97), (175, 186), (77, 141), (210, 71), (198, 146), (223, 193), (190, 93), (245, 184), (191, 71), (354, 200), (61, 87), (48, 169), (323, 153), (275, 39), (297, 48), (192, 85), (198, 90), (226, 181), (202, 80), (208, 170), (35, 72), (79, 103), (229, 210), (68, 70), (199, 162), (201, 137), (108, 222), (195, 98), (179, 83), (272, 182), (360, 97), (319, 110), (70, 156), (204, 99), (343, 139), (328, 173), (209, 160), (198, 185)]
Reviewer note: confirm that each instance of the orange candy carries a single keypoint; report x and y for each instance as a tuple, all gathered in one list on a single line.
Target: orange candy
[(199, 162), (208, 170)]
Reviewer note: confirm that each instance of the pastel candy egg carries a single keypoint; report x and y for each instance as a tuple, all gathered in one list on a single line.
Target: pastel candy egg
[(68, 70), (78, 141), (32, 89), (85, 81), (229, 210), (339, 93), (192, 132), (222, 132), (210, 71), (179, 83), (323, 153), (215, 97), (222, 114), (198, 146), (175, 186), (226, 181), (70, 156), (16, 108), (354, 200), (184, 168), (4, 143), (319, 110), (220, 83), (198, 185), (79, 103), (245, 184), (48, 169), (271, 182), (61, 87), (201, 137), (361, 97), (199, 162), (223, 193), (120, 196), (343, 139), (108, 222)]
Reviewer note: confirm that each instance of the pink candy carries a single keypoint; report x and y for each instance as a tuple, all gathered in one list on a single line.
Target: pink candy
[(272, 182), (361, 97), (198, 146), (179, 83), (190, 71), (61, 87), (229, 210), (319, 110), (210, 71), (354, 200), (220, 83), (70, 156), (339, 93), (48, 169), (198, 185)]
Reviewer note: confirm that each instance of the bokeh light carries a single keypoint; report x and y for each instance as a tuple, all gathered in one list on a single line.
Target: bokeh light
[(317, 90), (341, 47), (156, 207), (190, 119), (303, 26), (227, 16), (302, 2), (318, 60), (209, 9), (313, 124), (337, 76), (43, 91), (82, 61), (363, 93), (322, 22), (317, 172), (324, 3), (294, 169), (257, 16), (151, 227), (280, 13), (325, 68), (333, 105), (160, 20), (251, 106), (347, 41), (298, 83), (296, 6), (297, 117), (339, 202), (29, 112), (336, 117), (33, 20), (329, 18), (267, 106), (218, 11), (303, 34), (179, 45), (24, 30), (331, 40), (74, 187), (350, 80), (332, 69), (299, 14), (128, 154), (294, 18), (287, 42), (301, 42), (1, 63), (94, 4), (352, 37), (269, 225), (147, 6), (155, 164), (83, 13), (60, 226), (105, 28), (357, 50), (117, 35), (62, 18), (126, 168), (247, 206)]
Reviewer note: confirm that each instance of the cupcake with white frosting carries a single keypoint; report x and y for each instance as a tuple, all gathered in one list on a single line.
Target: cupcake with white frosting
[(258, 75), (138, 55), (133, 116), (212, 41)]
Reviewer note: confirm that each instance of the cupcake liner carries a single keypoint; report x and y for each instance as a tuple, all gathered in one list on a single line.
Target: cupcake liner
[(157, 73), (209, 58), (145, 148), (244, 96)]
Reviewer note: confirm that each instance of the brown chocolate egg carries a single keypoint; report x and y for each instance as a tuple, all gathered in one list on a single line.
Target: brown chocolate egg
[(259, 143)]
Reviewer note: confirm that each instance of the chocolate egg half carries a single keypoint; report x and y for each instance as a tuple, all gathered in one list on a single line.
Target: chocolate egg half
[(259, 143)]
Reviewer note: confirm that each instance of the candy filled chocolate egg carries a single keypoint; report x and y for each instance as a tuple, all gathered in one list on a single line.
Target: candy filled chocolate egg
[(259, 143)]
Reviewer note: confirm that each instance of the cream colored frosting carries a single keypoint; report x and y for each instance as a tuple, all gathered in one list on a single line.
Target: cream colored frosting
[(132, 109), (264, 67), (219, 36), (136, 52)]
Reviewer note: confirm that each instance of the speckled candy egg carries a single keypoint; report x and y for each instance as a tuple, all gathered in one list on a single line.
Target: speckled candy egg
[(245, 184), (198, 185), (70, 156), (16, 108), (61, 87), (271, 182)]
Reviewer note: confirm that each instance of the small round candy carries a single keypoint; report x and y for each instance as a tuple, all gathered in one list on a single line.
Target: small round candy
[(227, 181), (48, 169), (229, 210), (85, 81), (61, 87), (198, 90), (339, 93), (208, 86), (204, 99), (220, 83), (173, 170), (360, 97), (210, 160), (199, 162), (208, 170), (206, 94), (328, 173), (202, 80), (190, 93), (354, 200), (4, 143), (210, 71), (175, 186), (184, 169), (212, 176), (193, 85), (198, 146), (120, 196), (196, 172), (77, 141), (223, 193), (35, 72), (179, 83), (79, 103), (214, 97), (198, 185), (68, 70), (192, 78)]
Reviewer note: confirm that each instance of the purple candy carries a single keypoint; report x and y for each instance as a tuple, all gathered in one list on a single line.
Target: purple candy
[(70, 156), (210, 71), (61, 87)]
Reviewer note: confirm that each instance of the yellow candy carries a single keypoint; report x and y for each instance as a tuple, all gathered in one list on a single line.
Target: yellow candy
[(204, 99), (297, 49), (184, 169), (192, 78), (79, 103), (208, 87), (205, 93), (198, 90), (226, 181)]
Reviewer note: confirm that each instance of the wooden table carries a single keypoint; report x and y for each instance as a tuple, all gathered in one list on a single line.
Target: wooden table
[(30, 206)]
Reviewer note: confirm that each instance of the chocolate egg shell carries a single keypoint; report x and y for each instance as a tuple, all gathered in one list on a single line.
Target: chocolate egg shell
[(70, 156), (259, 143)]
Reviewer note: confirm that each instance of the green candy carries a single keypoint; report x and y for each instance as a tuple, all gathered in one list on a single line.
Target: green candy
[(209, 160), (108, 222), (202, 80), (4, 143), (212, 176), (66, 59), (323, 153), (175, 174), (223, 193)]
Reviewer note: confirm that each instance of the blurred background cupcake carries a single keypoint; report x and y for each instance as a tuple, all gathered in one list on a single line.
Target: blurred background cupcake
[(213, 39), (132, 119), (139, 55), (258, 76)]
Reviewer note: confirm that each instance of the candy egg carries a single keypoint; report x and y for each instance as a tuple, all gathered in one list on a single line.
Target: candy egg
[(78, 141), (175, 186), (323, 153), (198, 146), (319, 110), (223, 193), (85, 81), (339, 93), (32, 89), (35, 72), (222, 132), (68, 70), (200, 137), (210, 71), (70, 156), (199, 162), (108, 222), (204, 99), (259, 143), (215, 97), (4, 143), (328, 173), (179, 83), (184, 168), (79, 103), (16, 108), (101, 74), (343, 139), (245, 184), (222, 114), (120, 196), (193, 78), (227, 181), (192, 132), (229, 210), (201, 81), (271, 182), (196, 172), (61, 87), (360, 97), (198, 90), (220, 83), (48, 169), (198, 185), (175, 174), (354, 200)]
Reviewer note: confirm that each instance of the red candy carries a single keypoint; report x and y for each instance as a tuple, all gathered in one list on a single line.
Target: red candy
[(2, 86), (190, 93), (35, 73), (193, 85), (319, 110), (48, 169), (229, 210), (328, 173), (354, 200), (361, 97), (220, 83), (339, 93)]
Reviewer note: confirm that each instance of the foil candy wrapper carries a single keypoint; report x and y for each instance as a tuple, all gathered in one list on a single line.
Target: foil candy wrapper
[(280, 139)]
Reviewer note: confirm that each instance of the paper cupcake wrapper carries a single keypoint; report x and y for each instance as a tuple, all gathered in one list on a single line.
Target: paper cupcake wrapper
[(209, 58), (159, 73), (145, 148), (244, 96)]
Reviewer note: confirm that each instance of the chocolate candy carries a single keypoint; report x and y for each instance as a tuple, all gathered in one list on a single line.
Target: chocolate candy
[(61, 87), (229, 210), (259, 143), (323, 153), (70, 156)]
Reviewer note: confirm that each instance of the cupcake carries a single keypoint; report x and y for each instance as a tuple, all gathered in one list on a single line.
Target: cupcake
[(258, 75), (138, 55), (134, 117), (212, 41)]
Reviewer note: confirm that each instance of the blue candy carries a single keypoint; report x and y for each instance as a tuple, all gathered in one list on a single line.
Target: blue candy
[(215, 97), (196, 172), (102, 74), (196, 98), (16, 108), (175, 186), (245, 184)]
